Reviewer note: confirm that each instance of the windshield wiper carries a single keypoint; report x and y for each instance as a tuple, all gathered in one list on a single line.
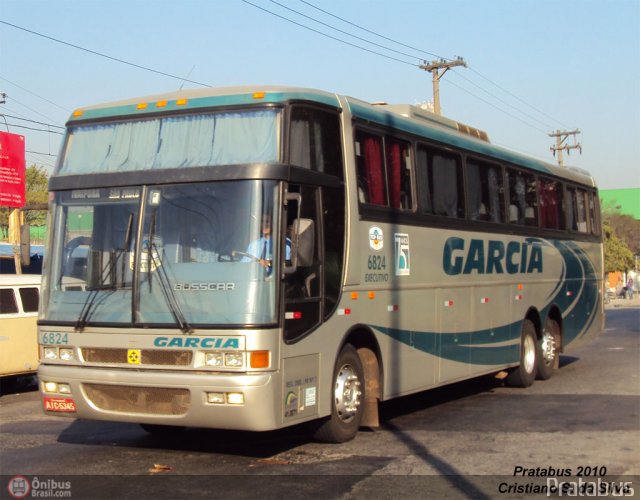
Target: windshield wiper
[(153, 259), (90, 305)]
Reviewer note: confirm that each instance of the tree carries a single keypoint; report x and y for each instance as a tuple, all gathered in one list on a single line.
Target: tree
[(37, 181), (617, 255)]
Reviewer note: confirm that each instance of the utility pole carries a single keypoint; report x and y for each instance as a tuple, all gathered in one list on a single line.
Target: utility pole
[(434, 68), (561, 136)]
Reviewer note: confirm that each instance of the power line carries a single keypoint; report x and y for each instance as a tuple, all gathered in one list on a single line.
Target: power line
[(449, 60), (502, 100), (32, 128), (372, 32), (116, 59), (34, 94), (518, 98), (344, 32), (328, 36), (32, 121)]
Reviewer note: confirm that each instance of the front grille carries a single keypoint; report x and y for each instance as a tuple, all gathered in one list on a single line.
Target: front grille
[(145, 400), (149, 356)]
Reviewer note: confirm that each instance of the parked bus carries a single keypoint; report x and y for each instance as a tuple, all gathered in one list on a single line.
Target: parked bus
[(19, 297), (254, 258)]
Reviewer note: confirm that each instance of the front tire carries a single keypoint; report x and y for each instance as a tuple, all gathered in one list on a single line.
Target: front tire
[(525, 374), (347, 396)]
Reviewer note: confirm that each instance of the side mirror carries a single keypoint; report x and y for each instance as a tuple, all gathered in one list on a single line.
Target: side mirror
[(302, 242)]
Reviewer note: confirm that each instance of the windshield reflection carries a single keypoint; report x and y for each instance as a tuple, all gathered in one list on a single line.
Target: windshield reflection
[(187, 264)]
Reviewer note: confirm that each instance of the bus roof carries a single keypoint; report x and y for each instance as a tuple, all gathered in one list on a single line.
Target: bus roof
[(406, 118)]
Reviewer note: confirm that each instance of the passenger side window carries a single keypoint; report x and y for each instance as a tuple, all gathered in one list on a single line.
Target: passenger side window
[(485, 191), (315, 141), (8, 303), (577, 213), (29, 297), (440, 182), (523, 202), (370, 169), (551, 206), (398, 173)]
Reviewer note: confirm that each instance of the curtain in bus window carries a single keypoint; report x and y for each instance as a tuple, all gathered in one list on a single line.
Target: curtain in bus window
[(373, 165), (424, 188), (90, 145), (299, 146), (318, 146), (445, 186), (135, 145), (394, 163), (183, 146), (495, 201), (569, 203), (244, 137), (474, 191), (581, 211), (550, 205), (186, 141)]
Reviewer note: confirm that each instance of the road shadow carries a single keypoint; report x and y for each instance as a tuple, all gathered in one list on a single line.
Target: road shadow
[(16, 384), (258, 445)]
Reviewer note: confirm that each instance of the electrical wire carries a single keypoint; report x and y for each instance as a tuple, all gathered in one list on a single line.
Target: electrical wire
[(329, 36), (116, 59), (32, 121), (374, 33), (345, 32)]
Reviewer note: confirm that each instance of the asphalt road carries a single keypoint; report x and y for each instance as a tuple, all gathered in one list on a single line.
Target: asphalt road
[(462, 441)]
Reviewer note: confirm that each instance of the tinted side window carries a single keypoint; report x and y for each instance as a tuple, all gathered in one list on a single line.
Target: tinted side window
[(370, 169), (551, 206), (29, 297), (485, 192), (315, 141), (577, 210), (398, 173), (523, 202), (440, 182), (8, 303)]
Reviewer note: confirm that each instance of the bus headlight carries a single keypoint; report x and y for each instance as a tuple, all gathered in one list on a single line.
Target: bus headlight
[(234, 359), (235, 398), (50, 353), (214, 359), (66, 354)]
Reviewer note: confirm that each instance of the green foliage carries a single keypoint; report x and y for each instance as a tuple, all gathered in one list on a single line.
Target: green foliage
[(621, 239), (37, 181), (617, 255)]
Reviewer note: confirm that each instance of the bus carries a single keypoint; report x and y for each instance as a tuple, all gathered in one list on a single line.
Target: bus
[(253, 258), (19, 349)]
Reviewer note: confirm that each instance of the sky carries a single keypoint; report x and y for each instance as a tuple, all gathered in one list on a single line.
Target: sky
[(533, 66)]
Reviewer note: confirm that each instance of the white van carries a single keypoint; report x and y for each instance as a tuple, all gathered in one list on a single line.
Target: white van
[(19, 298)]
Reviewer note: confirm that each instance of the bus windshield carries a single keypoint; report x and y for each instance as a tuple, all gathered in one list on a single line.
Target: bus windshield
[(201, 257)]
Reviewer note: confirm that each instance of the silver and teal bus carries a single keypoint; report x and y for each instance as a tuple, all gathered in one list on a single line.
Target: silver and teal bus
[(255, 258)]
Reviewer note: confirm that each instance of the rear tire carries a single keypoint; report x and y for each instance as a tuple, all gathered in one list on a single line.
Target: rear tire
[(549, 350), (347, 393), (525, 374)]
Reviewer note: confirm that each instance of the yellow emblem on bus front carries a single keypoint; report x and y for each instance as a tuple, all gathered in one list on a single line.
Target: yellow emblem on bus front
[(134, 356)]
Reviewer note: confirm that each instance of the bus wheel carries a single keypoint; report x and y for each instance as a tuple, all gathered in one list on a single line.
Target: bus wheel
[(549, 350), (525, 374), (347, 394)]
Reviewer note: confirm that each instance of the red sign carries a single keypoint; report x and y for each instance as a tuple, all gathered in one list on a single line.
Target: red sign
[(12, 170), (59, 404)]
